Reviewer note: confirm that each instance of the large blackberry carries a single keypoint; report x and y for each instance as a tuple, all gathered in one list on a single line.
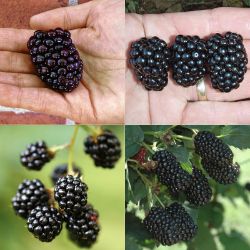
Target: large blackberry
[(209, 147), (84, 228), (221, 172), (36, 155), (57, 61), (150, 59), (189, 56), (170, 172), (71, 194), (170, 225), (61, 170), (104, 149), (227, 60), (199, 192), (30, 194), (45, 223)]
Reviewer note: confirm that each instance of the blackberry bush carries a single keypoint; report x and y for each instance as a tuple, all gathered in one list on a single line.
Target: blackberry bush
[(150, 59), (56, 59)]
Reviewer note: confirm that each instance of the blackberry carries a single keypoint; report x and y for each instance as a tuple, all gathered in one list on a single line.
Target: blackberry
[(209, 147), (45, 223), (35, 156), (170, 225), (227, 60), (222, 172), (57, 61), (71, 194), (61, 170), (199, 192), (189, 55), (170, 172), (31, 193), (150, 59), (104, 149), (83, 229)]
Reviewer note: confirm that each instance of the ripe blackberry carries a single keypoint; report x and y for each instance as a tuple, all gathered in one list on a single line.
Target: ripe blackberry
[(199, 192), (104, 149), (170, 225), (150, 59), (222, 172), (36, 155), (84, 228), (227, 60), (209, 147), (57, 61), (45, 223), (170, 172), (71, 194), (189, 56), (61, 171), (31, 193)]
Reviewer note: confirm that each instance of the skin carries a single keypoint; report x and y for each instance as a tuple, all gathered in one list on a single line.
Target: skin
[(99, 98), (175, 104)]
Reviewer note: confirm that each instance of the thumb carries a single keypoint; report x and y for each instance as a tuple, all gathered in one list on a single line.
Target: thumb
[(67, 18)]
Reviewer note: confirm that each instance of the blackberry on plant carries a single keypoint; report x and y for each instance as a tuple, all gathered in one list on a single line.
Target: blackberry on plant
[(57, 61), (31, 193), (170, 225), (170, 172), (36, 155), (71, 194), (189, 55), (45, 223), (104, 149), (150, 59), (227, 60)]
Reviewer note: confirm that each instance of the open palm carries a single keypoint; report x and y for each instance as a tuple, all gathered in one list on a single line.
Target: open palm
[(175, 104), (100, 42)]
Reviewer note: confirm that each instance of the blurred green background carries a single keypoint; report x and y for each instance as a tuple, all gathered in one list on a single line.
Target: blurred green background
[(106, 187)]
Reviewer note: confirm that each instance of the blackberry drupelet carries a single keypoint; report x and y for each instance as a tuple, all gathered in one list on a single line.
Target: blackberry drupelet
[(170, 172), (150, 59), (104, 149), (61, 171), (84, 228), (45, 223), (71, 194), (31, 193), (227, 60), (189, 55), (57, 61), (170, 225), (209, 147), (199, 192), (35, 156)]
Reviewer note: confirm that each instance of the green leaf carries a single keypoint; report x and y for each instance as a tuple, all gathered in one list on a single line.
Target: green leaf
[(181, 153)]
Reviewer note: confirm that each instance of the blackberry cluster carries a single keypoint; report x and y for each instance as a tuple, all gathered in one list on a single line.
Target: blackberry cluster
[(104, 149), (84, 228), (61, 171), (57, 61), (170, 172), (189, 60), (217, 158), (227, 60), (71, 194), (35, 156), (45, 223), (150, 59), (170, 225), (199, 192), (30, 194)]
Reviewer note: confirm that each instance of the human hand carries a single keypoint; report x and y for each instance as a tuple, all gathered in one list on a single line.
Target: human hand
[(175, 104), (97, 31)]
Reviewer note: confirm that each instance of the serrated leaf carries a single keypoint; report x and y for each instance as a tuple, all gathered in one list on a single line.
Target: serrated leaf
[(181, 153)]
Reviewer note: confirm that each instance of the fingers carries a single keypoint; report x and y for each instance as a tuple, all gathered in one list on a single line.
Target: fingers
[(67, 18)]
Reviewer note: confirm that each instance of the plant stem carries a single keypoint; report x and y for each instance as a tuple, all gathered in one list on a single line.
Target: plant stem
[(71, 149), (147, 147), (159, 200), (183, 137), (94, 130), (54, 149)]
